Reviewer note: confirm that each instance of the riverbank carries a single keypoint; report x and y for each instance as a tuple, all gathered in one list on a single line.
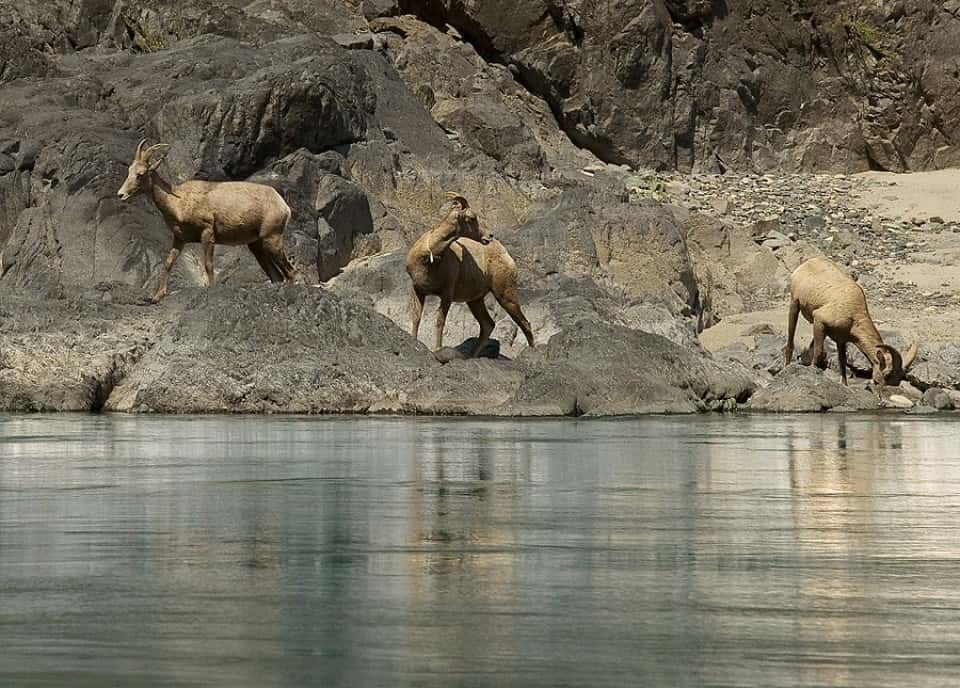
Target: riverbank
[(299, 349), (609, 342)]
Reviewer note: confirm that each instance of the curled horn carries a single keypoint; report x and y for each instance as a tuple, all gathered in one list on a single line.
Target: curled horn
[(136, 156), (153, 149), (884, 358), (457, 198), (911, 355)]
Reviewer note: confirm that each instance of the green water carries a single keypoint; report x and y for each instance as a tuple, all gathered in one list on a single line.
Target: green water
[(238, 551)]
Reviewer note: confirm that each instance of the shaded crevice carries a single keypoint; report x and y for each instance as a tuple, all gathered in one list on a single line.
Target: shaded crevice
[(435, 14), (106, 381)]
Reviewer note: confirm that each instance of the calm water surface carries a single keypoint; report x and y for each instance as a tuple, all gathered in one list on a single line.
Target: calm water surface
[(724, 551)]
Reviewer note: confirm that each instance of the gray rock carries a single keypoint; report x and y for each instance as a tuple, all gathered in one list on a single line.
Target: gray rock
[(354, 41), (800, 388), (72, 230), (494, 130), (938, 399), (937, 365), (277, 348)]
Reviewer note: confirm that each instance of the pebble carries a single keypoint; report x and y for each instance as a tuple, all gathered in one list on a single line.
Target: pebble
[(817, 209)]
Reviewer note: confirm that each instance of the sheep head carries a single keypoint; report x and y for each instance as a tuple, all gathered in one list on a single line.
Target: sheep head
[(467, 219), (890, 367), (143, 164)]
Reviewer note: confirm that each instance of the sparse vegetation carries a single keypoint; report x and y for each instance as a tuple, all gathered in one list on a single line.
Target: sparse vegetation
[(647, 185), (144, 39), (870, 35)]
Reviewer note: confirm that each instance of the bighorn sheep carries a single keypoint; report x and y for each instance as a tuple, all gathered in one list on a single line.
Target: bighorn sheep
[(210, 213), (457, 262), (837, 308)]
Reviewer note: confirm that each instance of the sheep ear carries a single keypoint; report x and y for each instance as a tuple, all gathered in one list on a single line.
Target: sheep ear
[(148, 154), (910, 356)]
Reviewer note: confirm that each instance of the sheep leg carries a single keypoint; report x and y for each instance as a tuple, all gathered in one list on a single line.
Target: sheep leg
[(418, 299), (273, 245), (819, 334), (791, 331), (256, 248), (167, 267), (508, 301), (445, 301), (842, 358), (206, 240), (480, 312)]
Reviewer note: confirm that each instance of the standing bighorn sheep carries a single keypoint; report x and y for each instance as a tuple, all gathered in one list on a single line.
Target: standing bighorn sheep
[(837, 308), (210, 213), (457, 262)]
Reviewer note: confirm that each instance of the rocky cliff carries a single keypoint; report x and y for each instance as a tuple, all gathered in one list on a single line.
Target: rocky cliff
[(363, 115)]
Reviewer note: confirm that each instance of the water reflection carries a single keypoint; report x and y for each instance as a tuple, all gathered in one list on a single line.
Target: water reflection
[(285, 551)]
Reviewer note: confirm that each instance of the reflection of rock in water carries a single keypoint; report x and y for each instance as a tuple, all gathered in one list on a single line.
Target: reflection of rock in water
[(458, 510), (834, 498)]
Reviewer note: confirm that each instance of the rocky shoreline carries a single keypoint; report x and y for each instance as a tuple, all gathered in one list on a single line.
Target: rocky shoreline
[(299, 349)]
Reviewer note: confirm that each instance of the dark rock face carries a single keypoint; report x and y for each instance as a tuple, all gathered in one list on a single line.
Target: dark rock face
[(496, 131), (709, 84), (66, 225)]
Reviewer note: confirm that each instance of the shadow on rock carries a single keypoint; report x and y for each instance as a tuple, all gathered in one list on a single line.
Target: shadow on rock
[(462, 351)]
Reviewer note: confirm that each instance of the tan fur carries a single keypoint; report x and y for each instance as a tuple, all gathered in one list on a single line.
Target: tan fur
[(444, 262), (210, 213), (837, 308)]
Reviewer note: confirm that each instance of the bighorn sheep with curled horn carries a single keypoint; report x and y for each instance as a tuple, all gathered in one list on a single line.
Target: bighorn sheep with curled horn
[(210, 213), (458, 262), (837, 308)]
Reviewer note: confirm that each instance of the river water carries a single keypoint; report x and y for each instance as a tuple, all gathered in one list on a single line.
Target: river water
[(286, 551)]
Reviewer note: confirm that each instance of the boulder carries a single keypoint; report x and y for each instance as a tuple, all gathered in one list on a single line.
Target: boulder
[(494, 130), (937, 365), (938, 399), (800, 388), (594, 368)]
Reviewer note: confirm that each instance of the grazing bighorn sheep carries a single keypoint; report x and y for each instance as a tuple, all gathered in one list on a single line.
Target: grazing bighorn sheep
[(210, 213), (837, 308), (457, 262)]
